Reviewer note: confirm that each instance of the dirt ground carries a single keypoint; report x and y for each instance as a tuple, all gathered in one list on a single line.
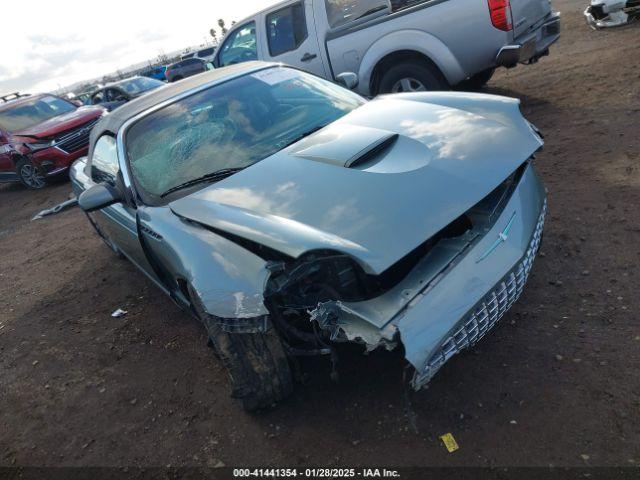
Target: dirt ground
[(556, 383)]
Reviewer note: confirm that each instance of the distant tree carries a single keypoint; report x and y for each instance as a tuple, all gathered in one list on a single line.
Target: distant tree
[(214, 34), (223, 29)]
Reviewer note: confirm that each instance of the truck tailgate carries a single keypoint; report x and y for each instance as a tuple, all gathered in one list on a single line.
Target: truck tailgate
[(527, 13)]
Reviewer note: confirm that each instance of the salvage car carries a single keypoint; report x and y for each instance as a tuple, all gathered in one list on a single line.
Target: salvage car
[(118, 93), (41, 136), (612, 13), (289, 214)]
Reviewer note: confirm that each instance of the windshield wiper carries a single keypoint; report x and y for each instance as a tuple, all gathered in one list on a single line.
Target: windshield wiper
[(371, 11), (209, 177)]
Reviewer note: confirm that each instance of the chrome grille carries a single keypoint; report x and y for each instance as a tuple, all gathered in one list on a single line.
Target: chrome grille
[(77, 139), (487, 312)]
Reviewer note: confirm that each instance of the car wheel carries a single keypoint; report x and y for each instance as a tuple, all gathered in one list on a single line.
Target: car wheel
[(256, 363), (411, 77), (30, 175), (479, 80), (175, 79)]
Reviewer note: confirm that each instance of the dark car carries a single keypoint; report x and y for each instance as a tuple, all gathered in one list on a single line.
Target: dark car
[(156, 73), (41, 136), (185, 68), (116, 94)]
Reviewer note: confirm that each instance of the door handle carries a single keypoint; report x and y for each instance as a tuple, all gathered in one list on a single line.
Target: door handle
[(308, 57)]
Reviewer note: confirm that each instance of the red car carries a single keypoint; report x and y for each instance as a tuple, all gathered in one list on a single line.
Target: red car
[(41, 136)]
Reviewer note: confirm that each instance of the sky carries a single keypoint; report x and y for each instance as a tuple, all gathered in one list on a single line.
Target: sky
[(51, 44)]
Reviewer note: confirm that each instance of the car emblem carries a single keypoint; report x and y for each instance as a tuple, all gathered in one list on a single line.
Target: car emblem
[(502, 237)]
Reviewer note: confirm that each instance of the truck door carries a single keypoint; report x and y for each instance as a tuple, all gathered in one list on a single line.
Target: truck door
[(291, 38)]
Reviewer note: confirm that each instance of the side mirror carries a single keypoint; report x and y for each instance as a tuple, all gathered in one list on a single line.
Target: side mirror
[(348, 79), (98, 197)]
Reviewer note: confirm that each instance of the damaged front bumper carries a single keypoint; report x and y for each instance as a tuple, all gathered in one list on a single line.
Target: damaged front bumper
[(456, 294), (606, 14), (486, 313)]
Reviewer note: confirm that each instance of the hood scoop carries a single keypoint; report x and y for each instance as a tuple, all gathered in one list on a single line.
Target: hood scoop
[(345, 145)]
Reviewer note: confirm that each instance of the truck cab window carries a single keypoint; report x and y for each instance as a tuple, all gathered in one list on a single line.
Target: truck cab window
[(286, 29), (104, 162), (240, 46), (341, 12)]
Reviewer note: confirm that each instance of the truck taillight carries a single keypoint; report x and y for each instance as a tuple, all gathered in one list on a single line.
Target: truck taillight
[(500, 11)]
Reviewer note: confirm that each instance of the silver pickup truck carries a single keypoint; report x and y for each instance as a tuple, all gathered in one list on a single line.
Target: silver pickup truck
[(396, 45)]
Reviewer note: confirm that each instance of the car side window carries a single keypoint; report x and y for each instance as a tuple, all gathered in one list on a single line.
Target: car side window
[(113, 95), (97, 98), (286, 29), (342, 12), (240, 46), (206, 52), (104, 162)]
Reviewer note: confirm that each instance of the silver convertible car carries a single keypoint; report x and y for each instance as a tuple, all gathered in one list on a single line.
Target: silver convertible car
[(289, 214)]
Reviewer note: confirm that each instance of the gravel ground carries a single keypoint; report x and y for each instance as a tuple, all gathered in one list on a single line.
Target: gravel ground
[(555, 384)]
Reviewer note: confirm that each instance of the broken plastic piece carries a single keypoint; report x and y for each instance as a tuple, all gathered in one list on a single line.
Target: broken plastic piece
[(57, 209), (119, 313)]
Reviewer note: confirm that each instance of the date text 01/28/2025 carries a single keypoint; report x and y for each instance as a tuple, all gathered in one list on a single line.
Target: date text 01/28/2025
[(315, 473)]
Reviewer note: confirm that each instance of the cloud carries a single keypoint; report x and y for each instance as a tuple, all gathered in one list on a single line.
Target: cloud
[(68, 41)]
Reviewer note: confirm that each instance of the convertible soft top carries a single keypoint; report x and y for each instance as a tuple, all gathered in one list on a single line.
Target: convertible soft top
[(112, 122)]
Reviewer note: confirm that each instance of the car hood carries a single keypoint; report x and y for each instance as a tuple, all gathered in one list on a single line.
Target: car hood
[(376, 183), (62, 123)]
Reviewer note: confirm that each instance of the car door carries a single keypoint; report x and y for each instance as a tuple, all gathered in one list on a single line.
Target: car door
[(195, 66), (291, 38), (118, 222), (6, 164)]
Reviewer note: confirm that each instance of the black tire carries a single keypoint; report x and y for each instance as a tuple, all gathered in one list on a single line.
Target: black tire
[(256, 363), (410, 76), (175, 79), (479, 80), (30, 175)]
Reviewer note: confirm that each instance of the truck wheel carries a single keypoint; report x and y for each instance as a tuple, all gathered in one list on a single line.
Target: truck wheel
[(30, 175), (256, 363), (479, 80), (411, 77)]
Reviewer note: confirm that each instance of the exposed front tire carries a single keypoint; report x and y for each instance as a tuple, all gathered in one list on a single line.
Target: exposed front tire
[(256, 363), (30, 175), (479, 80), (411, 77)]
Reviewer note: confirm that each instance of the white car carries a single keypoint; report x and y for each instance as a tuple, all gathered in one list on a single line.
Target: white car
[(205, 54), (611, 13)]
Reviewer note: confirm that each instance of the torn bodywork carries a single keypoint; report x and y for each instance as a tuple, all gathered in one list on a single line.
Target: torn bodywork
[(410, 221), (612, 13), (436, 301)]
